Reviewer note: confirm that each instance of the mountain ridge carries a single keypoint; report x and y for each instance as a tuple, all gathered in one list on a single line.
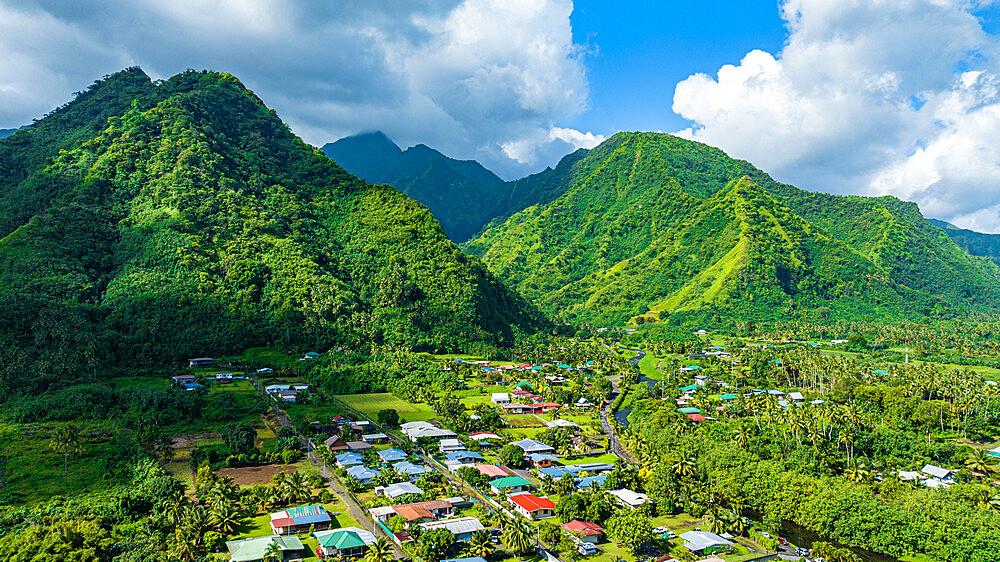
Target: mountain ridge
[(645, 198)]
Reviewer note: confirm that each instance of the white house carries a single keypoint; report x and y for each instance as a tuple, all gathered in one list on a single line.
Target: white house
[(628, 498), (417, 429), (500, 398), (462, 527)]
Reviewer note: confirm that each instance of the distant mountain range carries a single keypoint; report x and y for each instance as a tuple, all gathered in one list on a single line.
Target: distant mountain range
[(462, 194), (650, 227), (145, 222), (976, 243)]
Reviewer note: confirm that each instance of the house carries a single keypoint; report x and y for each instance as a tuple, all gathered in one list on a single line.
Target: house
[(346, 542), (702, 543), (533, 446), (375, 438), (411, 470), (697, 417), (355, 446), (264, 370), (589, 481), (418, 429), (583, 403), (689, 410), (398, 489), (936, 471), (288, 395), (796, 397), (462, 527), (310, 355), (994, 452), (464, 457), (500, 398), (533, 507), (541, 460), (362, 473), (628, 498), (297, 519), (450, 445), (910, 476), (392, 455), (335, 443), (493, 471), (510, 485), (252, 549), (192, 386), (182, 379), (200, 362), (480, 435), (424, 511), (345, 460), (584, 531)]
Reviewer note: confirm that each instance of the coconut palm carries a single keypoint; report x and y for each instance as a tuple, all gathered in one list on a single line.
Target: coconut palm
[(979, 461), (683, 466), (379, 551), (481, 545), (226, 517), (66, 441), (295, 487), (272, 553), (743, 436), (518, 540)]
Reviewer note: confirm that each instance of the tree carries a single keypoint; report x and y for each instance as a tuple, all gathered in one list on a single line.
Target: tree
[(481, 544), (433, 544), (388, 417), (630, 529), (66, 441), (226, 517), (272, 553), (518, 540), (979, 461), (511, 455), (549, 533), (380, 551), (239, 437), (296, 488)]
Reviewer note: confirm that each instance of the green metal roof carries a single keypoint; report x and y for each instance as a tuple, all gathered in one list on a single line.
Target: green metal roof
[(728, 396), (341, 539), (247, 550), (509, 482), (689, 410), (690, 387)]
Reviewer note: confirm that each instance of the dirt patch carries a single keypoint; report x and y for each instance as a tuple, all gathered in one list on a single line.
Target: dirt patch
[(186, 440), (255, 474)]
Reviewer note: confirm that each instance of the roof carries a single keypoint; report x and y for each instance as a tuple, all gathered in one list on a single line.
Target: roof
[(483, 435), (459, 455), (492, 470), (469, 559), (700, 540), (796, 396), (539, 457), (392, 455), (728, 396), (583, 528), (689, 387), (533, 446), (346, 537), (361, 472), (586, 481), (458, 525), (509, 482), (697, 417), (401, 489), (936, 471), (245, 550), (349, 459), (561, 423), (302, 515), (629, 497), (412, 513), (410, 469), (531, 502), (500, 396), (689, 410)]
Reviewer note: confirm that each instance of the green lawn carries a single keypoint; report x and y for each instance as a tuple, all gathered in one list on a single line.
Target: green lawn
[(370, 404), (181, 470)]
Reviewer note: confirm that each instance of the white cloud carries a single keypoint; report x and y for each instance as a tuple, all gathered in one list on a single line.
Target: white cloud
[(576, 138), (464, 76), (880, 97)]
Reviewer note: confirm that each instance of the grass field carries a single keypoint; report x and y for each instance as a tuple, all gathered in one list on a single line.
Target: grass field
[(370, 404), (36, 472)]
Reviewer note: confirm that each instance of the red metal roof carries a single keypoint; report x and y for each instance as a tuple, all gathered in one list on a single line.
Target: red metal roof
[(531, 502), (697, 417), (283, 522), (584, 528)]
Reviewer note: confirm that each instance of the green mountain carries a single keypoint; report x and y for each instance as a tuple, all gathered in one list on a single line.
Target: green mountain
[(653, 226), (975, 243), (4, 133), (462, 194), (145, 222)]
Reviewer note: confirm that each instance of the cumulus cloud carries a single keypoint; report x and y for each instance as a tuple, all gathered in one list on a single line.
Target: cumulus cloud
[(882, 97), (465, 76)]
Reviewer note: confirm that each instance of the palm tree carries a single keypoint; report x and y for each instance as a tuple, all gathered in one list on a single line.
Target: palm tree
[(185, 544), (172, 509), (66, 441), (481, 545), (683, 466), (272, 553), (518, 540), (979, 461), (295, 486), (226, 517), (380, 551), (743, 436)]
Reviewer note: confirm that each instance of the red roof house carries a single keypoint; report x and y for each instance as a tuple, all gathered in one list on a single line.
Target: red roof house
[(532, 506)]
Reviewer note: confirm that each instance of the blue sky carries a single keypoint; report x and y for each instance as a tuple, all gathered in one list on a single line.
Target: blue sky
[(639, 54), (866, 97)]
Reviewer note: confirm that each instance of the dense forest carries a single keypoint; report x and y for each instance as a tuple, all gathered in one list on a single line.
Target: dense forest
[(146, 222), (976, 243), (650, 227)]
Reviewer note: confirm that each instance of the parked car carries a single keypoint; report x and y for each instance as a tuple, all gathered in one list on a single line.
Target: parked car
[(766, 535), (586, 549), (671, 535), (660, 530), (783, 541)]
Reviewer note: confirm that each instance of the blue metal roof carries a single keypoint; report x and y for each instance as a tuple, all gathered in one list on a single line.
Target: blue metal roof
[(459, 455), (392, 455)]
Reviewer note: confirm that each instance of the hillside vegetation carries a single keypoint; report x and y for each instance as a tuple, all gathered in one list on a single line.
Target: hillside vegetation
[(144, 223), (651, 227)]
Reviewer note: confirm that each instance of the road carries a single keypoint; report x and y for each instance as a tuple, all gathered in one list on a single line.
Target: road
[(613, 444)]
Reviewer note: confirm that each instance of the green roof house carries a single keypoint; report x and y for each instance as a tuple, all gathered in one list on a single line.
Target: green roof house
[(347, 542), (253, 549), (689, 410), (510, 485)]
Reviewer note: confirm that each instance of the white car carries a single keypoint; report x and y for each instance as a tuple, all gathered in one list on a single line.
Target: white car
[(660, 530)]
